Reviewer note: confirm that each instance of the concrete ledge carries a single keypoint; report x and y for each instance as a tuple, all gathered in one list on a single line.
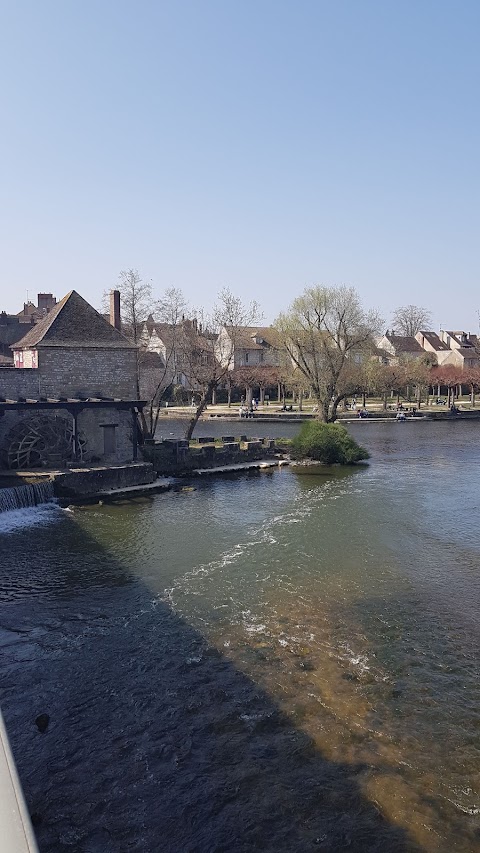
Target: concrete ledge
[(163, 484), (243, 466), (17, 832), (84, 482)]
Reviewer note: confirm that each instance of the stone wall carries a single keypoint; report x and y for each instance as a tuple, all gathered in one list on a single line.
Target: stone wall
[(70, 372), (94, 481), (177, 458), (90, 427), (19, 382)]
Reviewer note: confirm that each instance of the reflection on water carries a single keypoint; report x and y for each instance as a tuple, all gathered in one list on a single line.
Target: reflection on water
[(350, 599)]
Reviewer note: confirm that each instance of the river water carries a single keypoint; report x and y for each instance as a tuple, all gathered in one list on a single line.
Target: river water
[(265, 662)]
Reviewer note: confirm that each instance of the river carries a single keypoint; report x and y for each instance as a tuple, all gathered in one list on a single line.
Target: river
[(267, 661)]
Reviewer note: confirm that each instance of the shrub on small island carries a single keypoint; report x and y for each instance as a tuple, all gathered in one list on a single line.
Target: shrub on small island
[(327, 443)]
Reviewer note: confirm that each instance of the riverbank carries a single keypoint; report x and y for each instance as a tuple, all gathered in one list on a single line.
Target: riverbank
[(272, 414)]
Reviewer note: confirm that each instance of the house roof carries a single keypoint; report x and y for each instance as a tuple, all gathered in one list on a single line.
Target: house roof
[(403, 343), (169, 334), (383, 353), (245, 337), (12, 329), (434, 341), (151, 359), (462, 339), (467, 352), (72, 322)]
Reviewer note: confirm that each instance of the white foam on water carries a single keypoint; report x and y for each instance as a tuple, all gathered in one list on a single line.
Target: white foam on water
[(360, 661), (191, 583), (14, 520)]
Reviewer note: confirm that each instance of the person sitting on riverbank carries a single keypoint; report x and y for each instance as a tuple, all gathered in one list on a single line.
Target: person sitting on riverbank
[(243, 412)]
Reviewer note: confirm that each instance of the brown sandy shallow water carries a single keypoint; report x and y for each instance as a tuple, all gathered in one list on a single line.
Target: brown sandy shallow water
[(266, 662)]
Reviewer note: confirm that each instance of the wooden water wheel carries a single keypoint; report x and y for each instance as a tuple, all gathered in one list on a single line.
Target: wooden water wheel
[(42, 441)]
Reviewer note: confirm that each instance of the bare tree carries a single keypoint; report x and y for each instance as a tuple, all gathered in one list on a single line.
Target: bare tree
[(410, 319), (170, 310), (325, 332), (137, 303), (208, 348)]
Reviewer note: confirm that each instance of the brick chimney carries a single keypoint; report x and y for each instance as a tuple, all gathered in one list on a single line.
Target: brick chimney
[(115, 318), (46, 302)]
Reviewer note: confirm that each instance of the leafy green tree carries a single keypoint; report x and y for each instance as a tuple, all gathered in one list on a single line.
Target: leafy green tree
[(325, 332)]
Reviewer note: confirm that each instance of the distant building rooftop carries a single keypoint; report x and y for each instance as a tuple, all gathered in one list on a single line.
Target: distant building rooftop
[(72, 322)]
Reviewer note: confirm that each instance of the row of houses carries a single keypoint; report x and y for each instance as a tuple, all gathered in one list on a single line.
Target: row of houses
[(458, 349), (260, 346), (249, 347)]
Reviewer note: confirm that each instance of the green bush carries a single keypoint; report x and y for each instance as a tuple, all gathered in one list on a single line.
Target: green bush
[(327, 443)]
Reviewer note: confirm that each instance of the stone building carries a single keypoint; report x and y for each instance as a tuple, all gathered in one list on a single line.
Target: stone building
[(71, 396), (30, 311)]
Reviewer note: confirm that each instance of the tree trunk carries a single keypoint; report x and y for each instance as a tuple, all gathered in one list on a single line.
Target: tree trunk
[(214, 396), (262, 396), (385, 401), (279, 392), (300, 401), (472, 396), (333, 413), (364, 399), (200, 408), (229, 399), (143, 427)]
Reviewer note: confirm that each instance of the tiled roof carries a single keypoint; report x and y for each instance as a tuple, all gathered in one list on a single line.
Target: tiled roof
[(150, 359), (74, 323), (462, 339), (245, 337), (434, 341), (467, 352), (404, 343), (383, 353)]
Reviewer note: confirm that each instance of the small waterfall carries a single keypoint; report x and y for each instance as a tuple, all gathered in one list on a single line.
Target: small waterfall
[(21, 497)]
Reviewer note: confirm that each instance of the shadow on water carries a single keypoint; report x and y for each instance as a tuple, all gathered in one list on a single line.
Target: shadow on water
[(156, 741)]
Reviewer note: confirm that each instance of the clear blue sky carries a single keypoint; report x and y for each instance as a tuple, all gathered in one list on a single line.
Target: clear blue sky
[(259, 144)]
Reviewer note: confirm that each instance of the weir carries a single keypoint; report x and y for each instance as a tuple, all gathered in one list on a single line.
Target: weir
[(21, 497)]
